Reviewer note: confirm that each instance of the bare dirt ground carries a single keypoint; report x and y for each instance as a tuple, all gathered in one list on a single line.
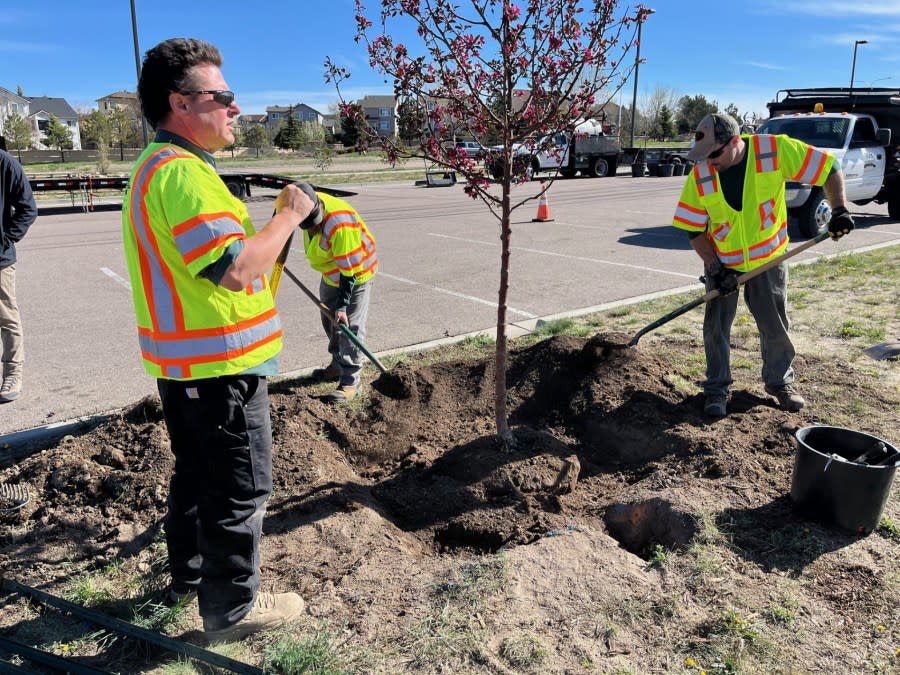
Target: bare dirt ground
[(625, 534)]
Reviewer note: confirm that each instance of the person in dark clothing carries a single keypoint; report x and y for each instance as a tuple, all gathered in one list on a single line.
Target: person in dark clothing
[(18, 211)]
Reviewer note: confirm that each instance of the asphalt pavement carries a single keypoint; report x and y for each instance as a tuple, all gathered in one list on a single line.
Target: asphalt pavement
[(610, 242)]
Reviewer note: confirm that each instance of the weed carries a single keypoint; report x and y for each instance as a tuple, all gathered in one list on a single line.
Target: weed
[(290, 656), (545, 329), (87, 590), (889, 528), (783, 613), (478, 341), (659, 556), (523, 651), (854, 329)]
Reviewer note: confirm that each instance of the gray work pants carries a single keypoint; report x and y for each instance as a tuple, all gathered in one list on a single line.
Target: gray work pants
[(766, 297), (344, 353), (10, 324)]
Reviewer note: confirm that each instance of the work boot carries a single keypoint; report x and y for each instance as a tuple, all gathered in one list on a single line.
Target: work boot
[(716, 405), (330, 374), (788, 398), (343, 394), (11, 389), (269, 611)]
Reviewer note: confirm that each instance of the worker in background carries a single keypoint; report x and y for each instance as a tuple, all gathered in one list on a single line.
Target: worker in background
[(733, 208), (18, 211), (340, 247), (209, 332)]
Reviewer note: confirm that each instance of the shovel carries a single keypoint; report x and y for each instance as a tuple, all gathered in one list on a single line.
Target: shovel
[(741, 280), (340, 326), (885, 350)]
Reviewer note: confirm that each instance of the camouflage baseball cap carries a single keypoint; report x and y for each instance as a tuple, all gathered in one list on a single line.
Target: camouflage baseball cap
[(712, 133)]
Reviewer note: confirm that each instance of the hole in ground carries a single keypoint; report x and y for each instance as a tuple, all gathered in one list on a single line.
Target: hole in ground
[(639, 527)]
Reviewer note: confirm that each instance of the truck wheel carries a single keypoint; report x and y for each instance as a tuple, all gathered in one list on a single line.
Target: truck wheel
[(600, 168), (894, 207), (236, 187), (814, 215)]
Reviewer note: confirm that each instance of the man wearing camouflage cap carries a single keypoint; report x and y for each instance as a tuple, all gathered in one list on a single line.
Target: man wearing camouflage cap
[(733, 208)]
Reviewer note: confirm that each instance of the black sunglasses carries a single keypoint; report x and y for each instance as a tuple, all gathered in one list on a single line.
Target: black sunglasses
[(716, 153), (223, 96)]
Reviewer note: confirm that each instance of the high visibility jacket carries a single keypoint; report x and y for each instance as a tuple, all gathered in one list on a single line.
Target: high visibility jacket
[(748, 238), (344, 247), (177, 218)]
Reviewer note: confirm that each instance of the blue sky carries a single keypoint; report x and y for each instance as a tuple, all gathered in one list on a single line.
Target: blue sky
[(731, 52)]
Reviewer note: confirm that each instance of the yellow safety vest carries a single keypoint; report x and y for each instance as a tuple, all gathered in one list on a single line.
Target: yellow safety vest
[(344, 247), (177, 218), (746, 239)]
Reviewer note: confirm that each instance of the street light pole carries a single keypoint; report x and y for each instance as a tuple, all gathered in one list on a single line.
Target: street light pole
[(856, 44), (642, 15), (137, 64)]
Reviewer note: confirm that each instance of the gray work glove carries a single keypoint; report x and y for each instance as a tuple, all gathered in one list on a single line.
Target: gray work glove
[(318, 213), (721, 278), (840, 224)]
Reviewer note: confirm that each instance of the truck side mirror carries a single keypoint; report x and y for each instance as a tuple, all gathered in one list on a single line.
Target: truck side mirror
[(883, 136)]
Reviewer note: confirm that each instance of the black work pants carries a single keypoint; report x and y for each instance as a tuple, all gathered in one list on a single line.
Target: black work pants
[(221, 435)]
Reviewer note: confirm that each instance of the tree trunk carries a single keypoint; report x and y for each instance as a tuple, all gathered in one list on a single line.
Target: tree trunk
[(503, 431)]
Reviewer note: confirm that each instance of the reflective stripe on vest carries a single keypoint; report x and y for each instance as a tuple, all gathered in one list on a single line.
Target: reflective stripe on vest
[(767, 214), (694, 218), (707, 181), (360, 259), (765, 149), (757, 252), (167, 343), (813, 165)]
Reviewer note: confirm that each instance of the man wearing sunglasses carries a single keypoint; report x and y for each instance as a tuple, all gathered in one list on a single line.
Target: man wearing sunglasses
[(733, 208), (209, 333)]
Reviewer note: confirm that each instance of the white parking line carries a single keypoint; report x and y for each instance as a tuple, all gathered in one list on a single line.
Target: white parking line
[(115, 277), (643, 268), (437, 289)]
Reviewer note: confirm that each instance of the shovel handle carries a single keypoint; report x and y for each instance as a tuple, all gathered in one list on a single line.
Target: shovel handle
[(741, 280), (341, 327)]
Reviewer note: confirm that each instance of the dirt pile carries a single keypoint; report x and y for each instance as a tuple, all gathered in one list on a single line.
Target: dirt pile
[(615, 468)]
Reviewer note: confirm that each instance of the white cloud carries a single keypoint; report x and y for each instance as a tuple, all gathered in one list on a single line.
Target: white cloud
[(833, 8)]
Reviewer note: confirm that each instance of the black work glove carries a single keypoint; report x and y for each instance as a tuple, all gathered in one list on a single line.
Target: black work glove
[(840, 224), (317, 214), (722, 279)]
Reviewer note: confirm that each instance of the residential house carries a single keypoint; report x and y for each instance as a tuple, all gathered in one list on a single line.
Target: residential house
[(120, 99), (11, 103), (247, 122), (381, 114), (42, 107), (277, 114)]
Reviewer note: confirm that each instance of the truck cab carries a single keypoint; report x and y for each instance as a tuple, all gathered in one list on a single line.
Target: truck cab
[(854, 127)]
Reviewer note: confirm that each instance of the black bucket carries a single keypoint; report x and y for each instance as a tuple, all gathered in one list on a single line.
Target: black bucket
[(837, 479)]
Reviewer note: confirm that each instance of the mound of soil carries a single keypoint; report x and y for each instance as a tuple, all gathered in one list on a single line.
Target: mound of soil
[(613, 463)]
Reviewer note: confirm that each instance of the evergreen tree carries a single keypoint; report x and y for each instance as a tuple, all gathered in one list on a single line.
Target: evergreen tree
[(17, 131), (290, 134), (664, 126), (352, 125), (58, 135), (692, 109), (256, 137)]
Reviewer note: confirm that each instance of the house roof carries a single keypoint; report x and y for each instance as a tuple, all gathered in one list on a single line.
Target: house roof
[(286, 108), (120, 94), (8, 93), (253, 119), (52, 106)]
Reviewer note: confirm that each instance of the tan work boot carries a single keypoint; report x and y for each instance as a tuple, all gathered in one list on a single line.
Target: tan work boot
[(12, 388), (787, 396), (269, 611), (343, 394)]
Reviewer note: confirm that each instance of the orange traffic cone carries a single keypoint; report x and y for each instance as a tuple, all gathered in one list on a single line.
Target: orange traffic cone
[(543, 212)]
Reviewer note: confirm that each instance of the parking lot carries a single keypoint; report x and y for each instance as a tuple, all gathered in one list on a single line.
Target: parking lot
[(610, 241)]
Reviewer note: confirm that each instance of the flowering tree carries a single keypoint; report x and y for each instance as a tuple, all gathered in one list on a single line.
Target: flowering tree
[(518, 72)]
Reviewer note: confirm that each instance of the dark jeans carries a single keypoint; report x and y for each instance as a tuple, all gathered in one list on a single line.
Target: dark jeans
[(766, 296), (221, 435)]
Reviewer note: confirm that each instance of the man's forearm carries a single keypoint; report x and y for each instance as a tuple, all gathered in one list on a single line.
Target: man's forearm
[(260, 252), (704, 249), (834, 190)]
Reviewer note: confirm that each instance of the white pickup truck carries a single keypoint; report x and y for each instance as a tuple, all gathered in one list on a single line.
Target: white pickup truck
[(857, 129)]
